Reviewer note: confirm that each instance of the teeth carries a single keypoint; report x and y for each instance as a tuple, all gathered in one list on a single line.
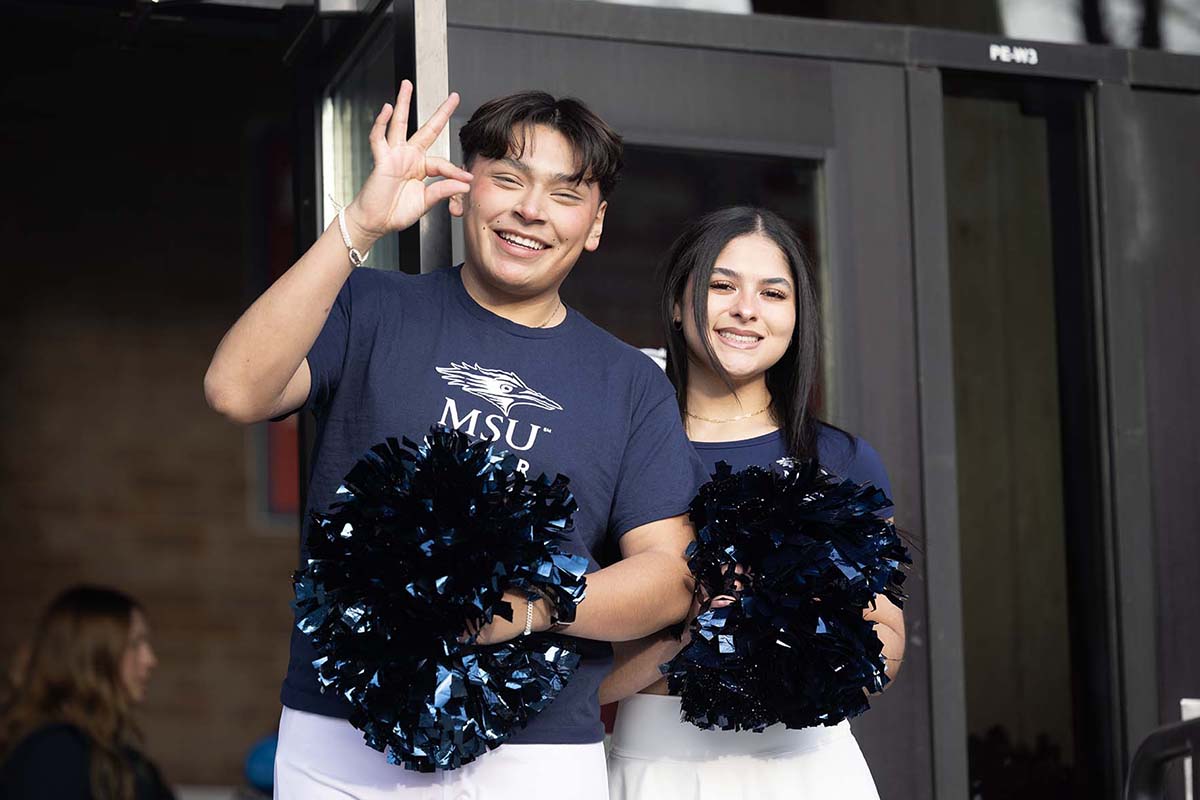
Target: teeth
[(734, 337), (532, 244)]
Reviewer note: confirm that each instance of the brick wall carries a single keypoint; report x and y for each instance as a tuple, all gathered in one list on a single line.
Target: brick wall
[(125, 257)]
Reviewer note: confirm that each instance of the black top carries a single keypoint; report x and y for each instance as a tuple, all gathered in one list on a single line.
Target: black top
[(54, 762)]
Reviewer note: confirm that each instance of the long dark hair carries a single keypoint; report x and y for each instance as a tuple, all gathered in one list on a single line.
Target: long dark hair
[(73, 675), (792, 379)]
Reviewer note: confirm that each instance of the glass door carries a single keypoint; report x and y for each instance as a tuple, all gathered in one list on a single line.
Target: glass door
[(1036, 646)]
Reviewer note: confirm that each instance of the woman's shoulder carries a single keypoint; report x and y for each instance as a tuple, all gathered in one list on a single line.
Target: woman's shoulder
[(50, 761), (850, 456), (62, 738)]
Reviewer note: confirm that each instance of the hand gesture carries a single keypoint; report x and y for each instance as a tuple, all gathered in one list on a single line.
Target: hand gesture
[(395, 194)]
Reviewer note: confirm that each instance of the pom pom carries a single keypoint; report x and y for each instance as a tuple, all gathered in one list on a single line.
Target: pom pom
[(801, 555), (420, 547)]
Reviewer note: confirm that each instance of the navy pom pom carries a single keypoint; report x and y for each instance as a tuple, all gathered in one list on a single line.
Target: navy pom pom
[(801, 555), (421, 545)]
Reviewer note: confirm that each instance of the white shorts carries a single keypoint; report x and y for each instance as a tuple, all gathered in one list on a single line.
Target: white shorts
[(324, 758), (654, 756)]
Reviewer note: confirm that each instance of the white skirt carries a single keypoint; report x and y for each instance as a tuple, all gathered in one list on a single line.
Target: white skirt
[(655, 756), (324, 758)]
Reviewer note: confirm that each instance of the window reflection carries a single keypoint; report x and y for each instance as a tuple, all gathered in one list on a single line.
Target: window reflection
[(347, 114)]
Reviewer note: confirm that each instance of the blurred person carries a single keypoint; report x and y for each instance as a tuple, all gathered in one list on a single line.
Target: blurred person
[(740, 316), (68, 731)]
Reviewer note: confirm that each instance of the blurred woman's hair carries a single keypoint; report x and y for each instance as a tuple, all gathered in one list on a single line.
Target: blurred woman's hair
[(792, 380), (72, 674)]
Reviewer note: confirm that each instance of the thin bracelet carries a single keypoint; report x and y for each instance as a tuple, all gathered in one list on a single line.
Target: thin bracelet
[(528, 616)]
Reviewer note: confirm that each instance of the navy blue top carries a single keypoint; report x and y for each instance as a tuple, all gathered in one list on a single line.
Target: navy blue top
[(54, 761), (400, 352), (855, 460)]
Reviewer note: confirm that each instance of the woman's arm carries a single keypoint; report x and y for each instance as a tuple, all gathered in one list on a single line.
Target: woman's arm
[(636, 665), (889, 627)]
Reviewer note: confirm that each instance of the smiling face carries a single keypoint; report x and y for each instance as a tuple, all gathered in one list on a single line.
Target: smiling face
[(138, 660), (751, 309), (525, 223)]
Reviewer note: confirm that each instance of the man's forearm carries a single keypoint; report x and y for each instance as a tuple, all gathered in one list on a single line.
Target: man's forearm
[(262, 351), (647, 590), (635, 597), (255, 373)]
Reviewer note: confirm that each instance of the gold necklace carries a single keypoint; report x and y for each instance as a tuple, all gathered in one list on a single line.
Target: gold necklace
[(731, 419), (552, 313)]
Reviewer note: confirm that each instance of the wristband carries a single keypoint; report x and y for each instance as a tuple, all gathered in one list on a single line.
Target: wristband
[(356, 258)]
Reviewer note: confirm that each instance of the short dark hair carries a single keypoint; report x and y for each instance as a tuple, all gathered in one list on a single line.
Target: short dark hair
[(499, 128)]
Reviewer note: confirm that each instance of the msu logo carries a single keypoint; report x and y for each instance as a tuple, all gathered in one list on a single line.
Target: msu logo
[(502, 389)]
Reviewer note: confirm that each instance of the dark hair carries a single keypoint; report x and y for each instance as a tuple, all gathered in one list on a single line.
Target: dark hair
[(792, 379), (72, 674), (499, 128)]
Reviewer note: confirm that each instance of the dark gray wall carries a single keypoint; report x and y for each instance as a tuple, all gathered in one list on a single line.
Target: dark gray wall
[(1152, 185)]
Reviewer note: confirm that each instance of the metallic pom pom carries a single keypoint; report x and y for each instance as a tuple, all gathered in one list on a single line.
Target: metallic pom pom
[(801, 555), (420, 547)]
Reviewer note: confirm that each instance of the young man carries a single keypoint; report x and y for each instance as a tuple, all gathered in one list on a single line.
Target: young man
[(490, 349)]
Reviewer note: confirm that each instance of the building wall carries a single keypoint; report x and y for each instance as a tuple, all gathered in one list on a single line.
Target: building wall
[(128, 154)]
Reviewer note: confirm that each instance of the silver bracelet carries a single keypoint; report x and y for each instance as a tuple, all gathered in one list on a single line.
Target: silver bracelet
[(528, 617), (356, 258)]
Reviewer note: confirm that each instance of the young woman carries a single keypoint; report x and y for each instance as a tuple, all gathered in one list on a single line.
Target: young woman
[(743, 350), (68, 731)]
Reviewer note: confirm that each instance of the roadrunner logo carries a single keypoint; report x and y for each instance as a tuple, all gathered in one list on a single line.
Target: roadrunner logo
[(502, 389)]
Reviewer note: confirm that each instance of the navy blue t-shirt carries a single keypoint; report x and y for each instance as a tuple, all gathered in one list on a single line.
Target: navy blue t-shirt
[(400, 352), (855, 460)]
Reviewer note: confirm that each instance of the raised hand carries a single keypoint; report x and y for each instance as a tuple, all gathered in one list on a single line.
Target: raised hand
[(395, 194)]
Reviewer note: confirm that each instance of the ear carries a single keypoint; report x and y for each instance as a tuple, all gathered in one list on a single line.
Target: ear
[(593, 239), (456, 205)]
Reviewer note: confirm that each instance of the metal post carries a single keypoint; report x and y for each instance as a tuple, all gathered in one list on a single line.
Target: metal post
[(422, 56), (943, 560)]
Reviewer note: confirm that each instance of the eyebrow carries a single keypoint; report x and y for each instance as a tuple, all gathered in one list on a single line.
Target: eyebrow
[(523, 168), (735, 274)]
